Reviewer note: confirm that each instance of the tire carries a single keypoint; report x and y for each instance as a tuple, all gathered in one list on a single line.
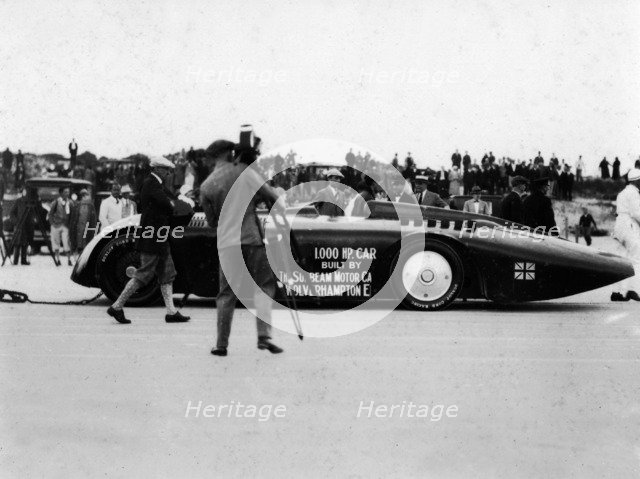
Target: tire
[(116, 257), (428, 278)]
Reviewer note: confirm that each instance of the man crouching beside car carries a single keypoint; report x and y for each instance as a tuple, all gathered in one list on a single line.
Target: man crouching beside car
[(155, 253)]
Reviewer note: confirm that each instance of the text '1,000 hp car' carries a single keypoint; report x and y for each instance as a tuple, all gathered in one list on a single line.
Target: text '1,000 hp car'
[(445, 255)]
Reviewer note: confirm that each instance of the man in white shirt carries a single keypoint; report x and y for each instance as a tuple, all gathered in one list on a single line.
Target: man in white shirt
[(627, 231), (111, 208)]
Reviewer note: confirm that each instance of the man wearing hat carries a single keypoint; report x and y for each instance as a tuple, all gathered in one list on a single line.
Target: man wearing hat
[(214, 193), (476, 205), (511, 207), (155, 252), (627, 232), (329, 200), (537, 210), (426, 197), (219, 161)]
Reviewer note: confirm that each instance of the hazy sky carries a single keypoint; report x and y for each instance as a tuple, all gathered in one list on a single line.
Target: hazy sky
[(419, 76)]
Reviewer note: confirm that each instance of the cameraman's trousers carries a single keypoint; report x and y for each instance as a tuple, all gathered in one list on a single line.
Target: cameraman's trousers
[(232, 277)]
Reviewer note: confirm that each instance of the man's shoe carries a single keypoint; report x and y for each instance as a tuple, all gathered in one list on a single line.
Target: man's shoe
[(618, 297), (219, 351), (118, 314), (266, 344), (633, 295), (176, 318)]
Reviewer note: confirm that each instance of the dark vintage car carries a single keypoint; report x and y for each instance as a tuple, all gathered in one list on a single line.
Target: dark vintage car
[(47, 190), (446, 255)]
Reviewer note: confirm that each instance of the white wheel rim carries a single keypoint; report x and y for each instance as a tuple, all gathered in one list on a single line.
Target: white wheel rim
[(427, 276)]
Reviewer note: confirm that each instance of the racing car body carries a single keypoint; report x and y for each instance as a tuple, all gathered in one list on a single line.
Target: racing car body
[(445, 255)]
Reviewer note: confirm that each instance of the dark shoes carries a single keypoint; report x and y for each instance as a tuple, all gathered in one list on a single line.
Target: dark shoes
[(176, 318), (118, 314), (264, 343), (618, 297), (630, 295), (633, 295)]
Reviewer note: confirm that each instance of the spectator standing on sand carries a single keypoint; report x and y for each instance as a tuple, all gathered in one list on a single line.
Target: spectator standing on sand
[(627, 232), (455, 181), (604, 169), (59, 216), (20, 159), (511, 207), (538, 160), (409, 172), (615, 174), (23, 236), (537, 209), (579, 169), (586, 225), (19, 177), (111, 207), (466, 161), (129, 207), (73, 153), (83, 221), (554, 176), (566, 184), (2, 189), (456, 159), (7, 164)]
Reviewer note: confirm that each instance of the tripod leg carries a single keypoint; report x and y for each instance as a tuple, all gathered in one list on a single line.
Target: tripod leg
[(12, 243), (43, 230)]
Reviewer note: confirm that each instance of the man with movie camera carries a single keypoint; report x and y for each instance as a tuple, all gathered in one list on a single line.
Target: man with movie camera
[(214, 191)]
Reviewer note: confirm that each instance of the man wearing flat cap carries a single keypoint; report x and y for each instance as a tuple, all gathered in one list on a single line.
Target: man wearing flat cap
[(537, 210), (511, 207), (476, 205), (627, 232), (156, 207), (329, 200)]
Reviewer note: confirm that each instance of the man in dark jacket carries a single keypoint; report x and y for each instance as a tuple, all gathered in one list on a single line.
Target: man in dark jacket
[(537, 208), (153, 244), (22, 235), (426, 197), (511, 207)]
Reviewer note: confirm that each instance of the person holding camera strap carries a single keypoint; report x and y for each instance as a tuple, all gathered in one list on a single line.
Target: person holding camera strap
[(214, 191)]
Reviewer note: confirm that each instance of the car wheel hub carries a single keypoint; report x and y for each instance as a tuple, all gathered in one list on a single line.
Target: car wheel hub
[(130, 271), (427, 276)]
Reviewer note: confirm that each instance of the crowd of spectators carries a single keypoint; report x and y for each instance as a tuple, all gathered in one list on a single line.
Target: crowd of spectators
[(491, 174)]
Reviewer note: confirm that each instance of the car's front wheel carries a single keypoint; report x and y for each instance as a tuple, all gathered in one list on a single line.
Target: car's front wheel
[(428, 278), (116, 264)]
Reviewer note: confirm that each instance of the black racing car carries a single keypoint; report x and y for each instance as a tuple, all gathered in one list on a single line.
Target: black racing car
[(446, 255)]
